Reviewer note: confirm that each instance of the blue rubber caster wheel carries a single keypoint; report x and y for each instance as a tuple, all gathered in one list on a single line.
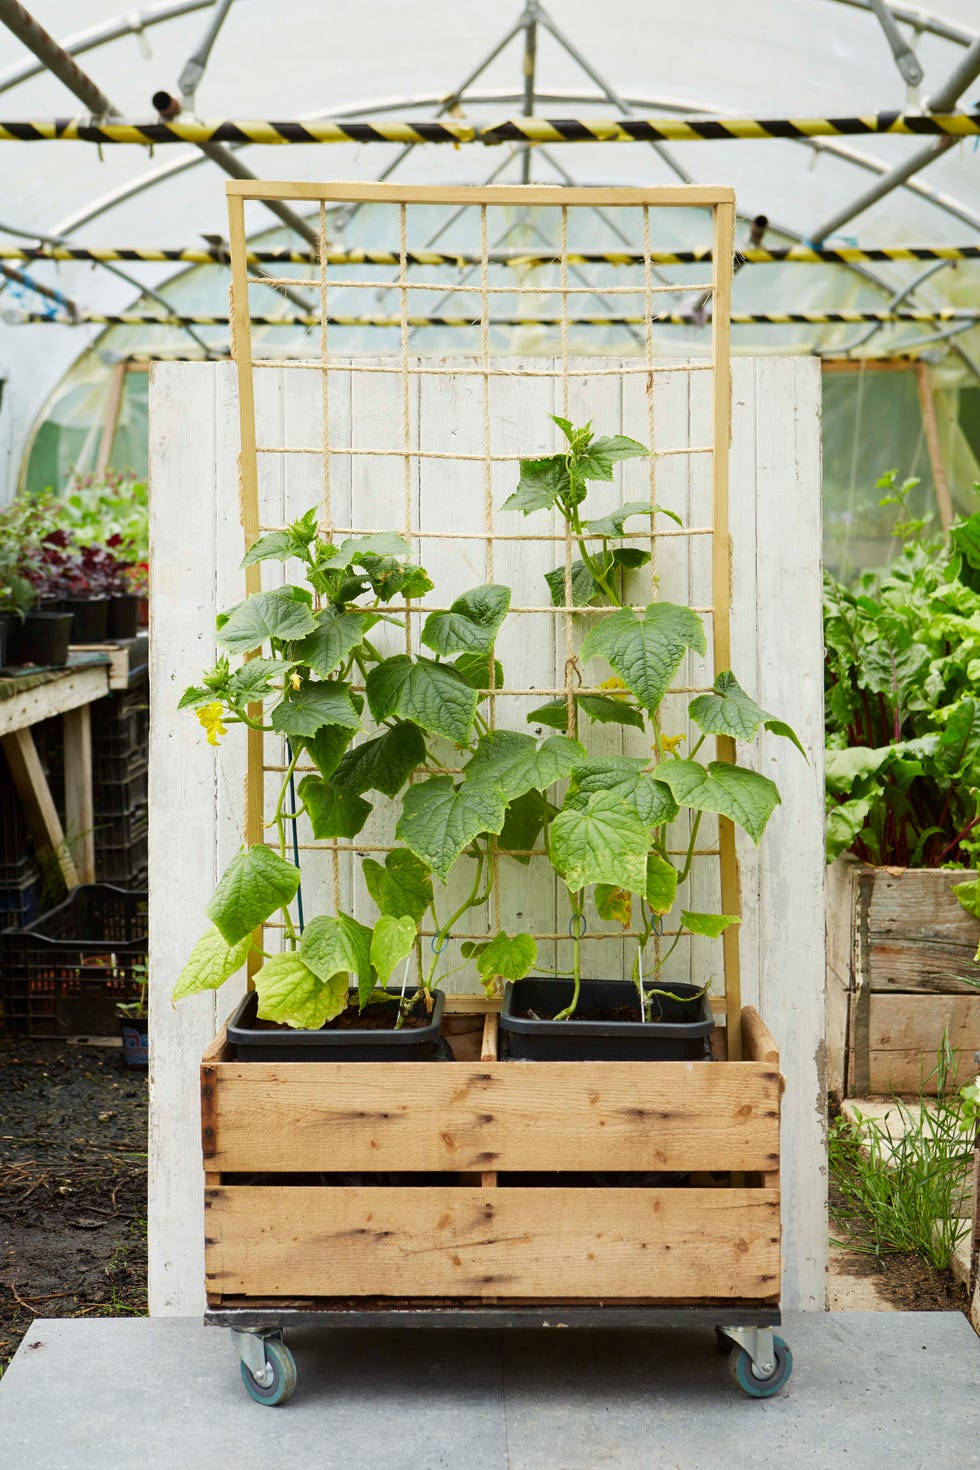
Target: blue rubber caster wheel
[(745, 1374), (282, 1384)]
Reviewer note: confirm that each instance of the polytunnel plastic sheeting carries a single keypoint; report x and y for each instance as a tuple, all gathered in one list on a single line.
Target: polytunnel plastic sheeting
[(762, 59)]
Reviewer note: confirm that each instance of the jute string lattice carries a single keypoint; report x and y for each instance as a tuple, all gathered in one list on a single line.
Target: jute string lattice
[(359, 433)]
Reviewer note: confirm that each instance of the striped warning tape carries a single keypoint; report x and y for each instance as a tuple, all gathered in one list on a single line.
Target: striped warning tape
[(674, 319), (842, 255), (513, 130)]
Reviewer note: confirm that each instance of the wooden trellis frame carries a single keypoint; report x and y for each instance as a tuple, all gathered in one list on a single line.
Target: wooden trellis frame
[(720, 203)]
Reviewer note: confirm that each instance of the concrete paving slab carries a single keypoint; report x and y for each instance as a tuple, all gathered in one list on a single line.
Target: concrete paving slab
[(869, 1390)]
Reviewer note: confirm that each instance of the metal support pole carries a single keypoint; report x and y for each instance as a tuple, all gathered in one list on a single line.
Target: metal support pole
[(967, 71), (190, 77), (905, 58), (530, 61)]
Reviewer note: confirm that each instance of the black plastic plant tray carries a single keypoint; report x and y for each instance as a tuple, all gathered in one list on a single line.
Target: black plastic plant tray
[(253, 1045), (680, 1032), (113, 798), (122, 829)]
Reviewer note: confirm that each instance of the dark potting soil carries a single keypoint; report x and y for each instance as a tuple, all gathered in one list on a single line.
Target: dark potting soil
[(379, 1017), (72, 1185), (586, 1013)]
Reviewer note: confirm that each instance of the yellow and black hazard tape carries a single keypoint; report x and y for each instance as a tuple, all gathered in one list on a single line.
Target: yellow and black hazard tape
[(674, 319), (751, 255), (513, 130)]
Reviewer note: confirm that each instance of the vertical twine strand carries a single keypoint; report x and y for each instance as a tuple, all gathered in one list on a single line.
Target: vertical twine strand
[(327, 524), (488, 515), (406, 390), (570, 662), (651, 458)]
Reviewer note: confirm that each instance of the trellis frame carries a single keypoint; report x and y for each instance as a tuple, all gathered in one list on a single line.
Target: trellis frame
[(721, 202)]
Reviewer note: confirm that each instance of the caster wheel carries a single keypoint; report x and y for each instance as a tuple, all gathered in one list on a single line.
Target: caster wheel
[(283, 1382), (743, 1371)]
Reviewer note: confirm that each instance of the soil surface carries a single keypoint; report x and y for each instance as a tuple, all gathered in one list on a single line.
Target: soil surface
[(72, 1185)]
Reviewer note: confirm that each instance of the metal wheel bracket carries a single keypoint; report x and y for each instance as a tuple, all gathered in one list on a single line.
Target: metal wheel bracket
[(757, 1342), (251, 1349)]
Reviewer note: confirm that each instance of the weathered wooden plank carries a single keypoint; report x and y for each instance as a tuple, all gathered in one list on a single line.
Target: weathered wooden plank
[(493, 1242), (757, 1040), (40, 812), (840, 917), (920, 937), (904, 1036), (79, 806), (498, 1115), (54, 698)]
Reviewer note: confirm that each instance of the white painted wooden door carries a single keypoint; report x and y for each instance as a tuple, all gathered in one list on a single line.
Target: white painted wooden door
[(196, 791)]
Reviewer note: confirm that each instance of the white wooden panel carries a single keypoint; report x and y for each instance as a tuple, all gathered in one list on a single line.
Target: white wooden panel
[(196, 802)]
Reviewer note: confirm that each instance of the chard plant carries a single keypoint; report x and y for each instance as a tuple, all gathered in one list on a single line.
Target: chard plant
[(609, 836), (903, 715)]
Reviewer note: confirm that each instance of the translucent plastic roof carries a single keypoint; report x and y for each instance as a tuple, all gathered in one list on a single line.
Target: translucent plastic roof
[(307, 58)]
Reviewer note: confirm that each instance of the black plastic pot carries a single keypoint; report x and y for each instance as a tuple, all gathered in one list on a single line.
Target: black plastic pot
[(255, 1045), (42, 639), (123, 619), (678, 1033), (89, 615)]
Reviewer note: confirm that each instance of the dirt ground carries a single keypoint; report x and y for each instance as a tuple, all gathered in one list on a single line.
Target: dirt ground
[(73, 1199), (72, 1185)]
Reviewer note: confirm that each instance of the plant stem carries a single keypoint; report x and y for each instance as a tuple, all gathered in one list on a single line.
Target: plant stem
[(281, 828), (577, 902), (690, 847), (446, 928)]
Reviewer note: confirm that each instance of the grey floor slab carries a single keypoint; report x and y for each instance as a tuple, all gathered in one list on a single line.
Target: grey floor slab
[(869, 1390)]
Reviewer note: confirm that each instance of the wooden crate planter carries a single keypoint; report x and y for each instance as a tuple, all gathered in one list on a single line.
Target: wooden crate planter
[(471, 1234), (897, 938)]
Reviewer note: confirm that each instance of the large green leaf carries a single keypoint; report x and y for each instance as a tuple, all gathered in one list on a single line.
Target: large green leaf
[(384, 763), (628, 778), (614, 904), (391, 942), (746, 797), (730, 711), (471, 624), (377, 545), (291, 993), (475, 669), (428, 693), (402, 888), (525, 818), (661, 889), (845, 768), (333, 810), (262, 616), (211, 962), (326, 747), (646, 651), (281, 545), (306, 710), (554, 714), (596, 460), (255, 883), (584, 584), (614, 524), (256, 679), (336, 634), (969, 896), (513, 763), (710, 925), (606, 711), (844, 822), (333, 945), (605, 843), (542, 482), (959, 743), (439, 819)]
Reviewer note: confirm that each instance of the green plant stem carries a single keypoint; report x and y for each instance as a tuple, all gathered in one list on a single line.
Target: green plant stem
[(280, 822), (444, 929), (572, 518), (577, 902), (690, 847)]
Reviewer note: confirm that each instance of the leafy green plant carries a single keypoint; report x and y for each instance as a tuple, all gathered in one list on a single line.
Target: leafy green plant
[(22, 524), (903, 714), (610, 834), (902, 1180), (112, 510)]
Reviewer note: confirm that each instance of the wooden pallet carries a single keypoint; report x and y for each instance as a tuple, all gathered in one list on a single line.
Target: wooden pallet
[(464, 1232)]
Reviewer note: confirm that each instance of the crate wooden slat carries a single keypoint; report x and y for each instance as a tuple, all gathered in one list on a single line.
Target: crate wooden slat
[(495, 1115), (514, 1242)]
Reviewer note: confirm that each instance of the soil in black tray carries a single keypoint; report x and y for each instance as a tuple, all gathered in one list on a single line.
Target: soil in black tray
[(589, 1013), (380, 1017)]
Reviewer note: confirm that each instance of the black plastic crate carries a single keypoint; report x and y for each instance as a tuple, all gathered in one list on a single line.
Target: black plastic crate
[(123, 829), (124, 790), (21, 904), (125, 864), (66, 972), (17, 865)]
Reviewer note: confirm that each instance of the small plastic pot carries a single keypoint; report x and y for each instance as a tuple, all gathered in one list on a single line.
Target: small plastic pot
[(123, 619), (135, 1039), (253, 1044), (42, 639), (89, 615), (678, 1033)]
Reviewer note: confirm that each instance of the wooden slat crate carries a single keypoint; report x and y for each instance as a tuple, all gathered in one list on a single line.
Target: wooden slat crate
[(470, 1231)]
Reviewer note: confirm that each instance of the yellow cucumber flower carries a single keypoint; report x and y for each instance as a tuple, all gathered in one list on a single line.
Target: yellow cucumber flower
[(615, 687), (671, 742), (210, 716)]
